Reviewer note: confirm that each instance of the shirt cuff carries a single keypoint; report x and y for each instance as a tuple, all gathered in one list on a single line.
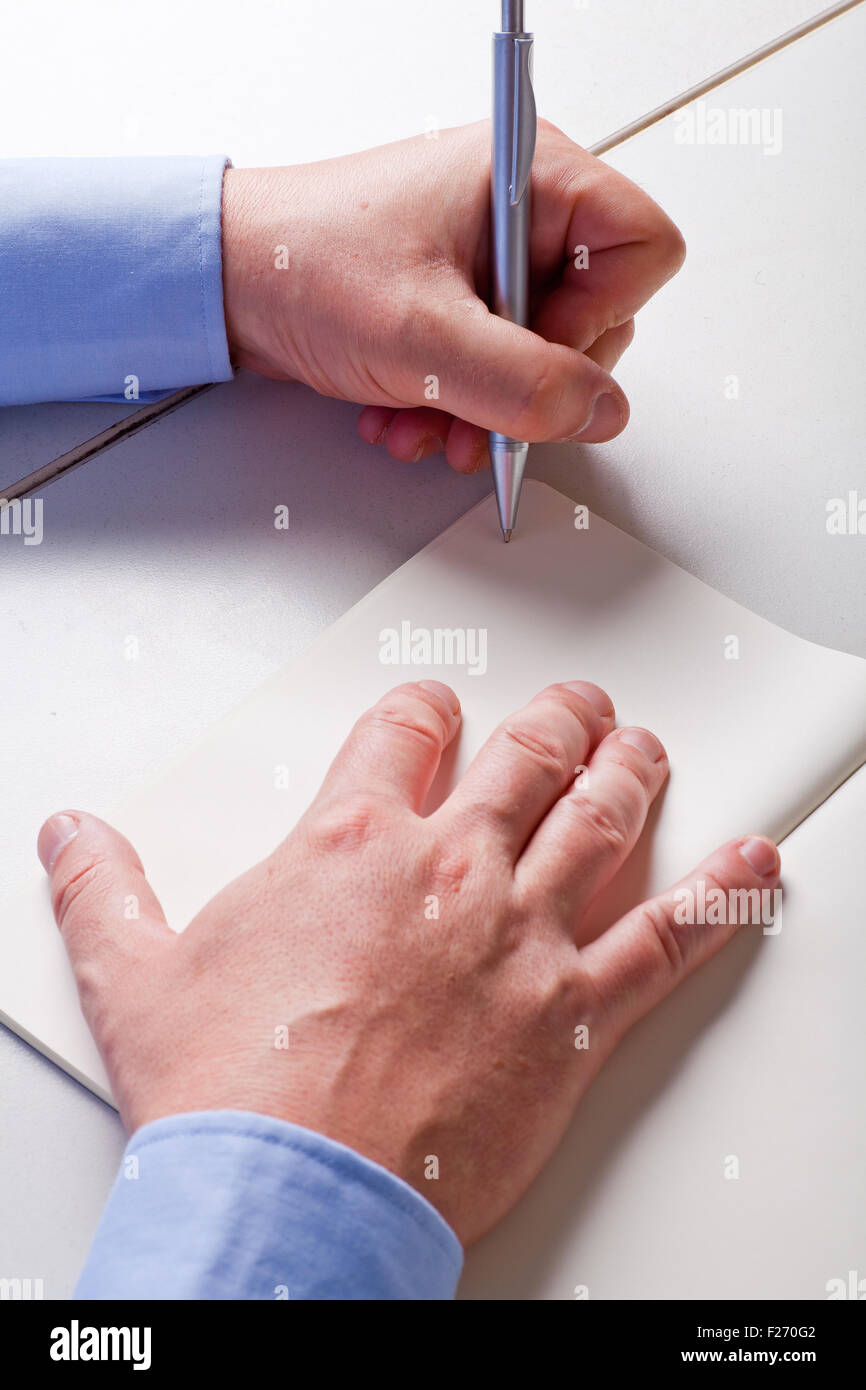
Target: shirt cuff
[(110, 278), (227, 1204)]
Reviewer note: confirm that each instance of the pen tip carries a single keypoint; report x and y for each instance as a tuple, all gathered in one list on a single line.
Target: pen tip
[(506, 536)]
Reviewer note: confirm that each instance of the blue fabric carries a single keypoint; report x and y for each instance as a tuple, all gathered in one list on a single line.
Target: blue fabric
[(110, 269), (226, 1204)]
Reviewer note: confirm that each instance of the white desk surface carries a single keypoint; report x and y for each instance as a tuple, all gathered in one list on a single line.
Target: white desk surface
[(275, 83), (247, 87), (735, 491)]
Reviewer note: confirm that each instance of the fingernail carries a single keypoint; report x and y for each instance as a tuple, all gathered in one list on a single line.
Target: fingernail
[(379, 438), (423, 449), (644, 742), (56, 832), (444, 692), (483, 459), (761, 854), (598, 698), (604, 422)]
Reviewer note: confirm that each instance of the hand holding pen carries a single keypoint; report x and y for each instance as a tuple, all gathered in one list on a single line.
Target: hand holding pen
[(391, 291)]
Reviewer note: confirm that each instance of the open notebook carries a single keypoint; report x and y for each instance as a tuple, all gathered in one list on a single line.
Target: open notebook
[(760, 726)]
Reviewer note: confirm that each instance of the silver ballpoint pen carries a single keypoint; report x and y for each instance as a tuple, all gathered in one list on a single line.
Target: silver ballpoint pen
[(514, 123)]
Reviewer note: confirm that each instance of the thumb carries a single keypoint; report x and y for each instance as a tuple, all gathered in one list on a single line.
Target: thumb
[(104, 906), (506, 378)]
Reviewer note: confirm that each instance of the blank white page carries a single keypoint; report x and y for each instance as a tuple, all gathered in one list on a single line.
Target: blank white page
[(755, 741), (721, 1152)]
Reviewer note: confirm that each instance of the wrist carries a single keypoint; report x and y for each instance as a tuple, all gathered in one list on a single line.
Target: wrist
[(247, 260)]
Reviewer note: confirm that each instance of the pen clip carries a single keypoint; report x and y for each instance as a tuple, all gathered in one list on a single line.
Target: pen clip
[(525, 120)]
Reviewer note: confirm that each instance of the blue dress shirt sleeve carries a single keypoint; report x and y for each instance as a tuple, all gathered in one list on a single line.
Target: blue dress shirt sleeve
[(110, 278), (227, 1204)]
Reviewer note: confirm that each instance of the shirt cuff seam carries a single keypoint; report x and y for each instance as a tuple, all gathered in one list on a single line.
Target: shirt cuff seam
[(213, 322), (201, 274), (201, 284)]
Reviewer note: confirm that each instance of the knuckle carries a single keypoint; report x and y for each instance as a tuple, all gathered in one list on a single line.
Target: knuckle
[(657, 924), (90, 982), (561, 983), (349, 824), (605, 828), (535, 411), (578, 703), (582, 1001), (486, 825), (404, 715), (548, 751), (76, 889), (549, 995), (713, 884), (637, 784), (670, 244), (451, 868)]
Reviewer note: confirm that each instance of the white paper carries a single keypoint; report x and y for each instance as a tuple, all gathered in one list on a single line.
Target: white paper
[(755, 742)]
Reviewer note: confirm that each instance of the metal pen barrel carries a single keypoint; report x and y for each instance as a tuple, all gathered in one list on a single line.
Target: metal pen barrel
[(514, 123)]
